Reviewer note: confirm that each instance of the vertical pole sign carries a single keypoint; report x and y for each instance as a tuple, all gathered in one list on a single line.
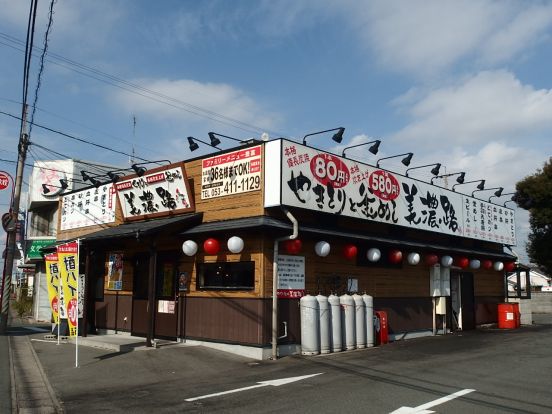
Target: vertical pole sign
[(68, 258), (52, 276)]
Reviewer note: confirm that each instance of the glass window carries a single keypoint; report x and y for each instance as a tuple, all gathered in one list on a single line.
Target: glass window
[(226, 275), (43, 221), (166, 275), (141, 273)]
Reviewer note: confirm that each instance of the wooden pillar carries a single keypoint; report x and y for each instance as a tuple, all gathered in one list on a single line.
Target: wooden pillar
[(151, 293)]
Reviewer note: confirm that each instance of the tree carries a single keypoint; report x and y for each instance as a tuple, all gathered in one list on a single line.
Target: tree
[(534, 193)]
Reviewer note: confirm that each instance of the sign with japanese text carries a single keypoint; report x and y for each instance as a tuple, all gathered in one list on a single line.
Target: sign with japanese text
[(68, 262), (88, 207), (52, 276), (487, 221), (231, 173), (291, 277), (115, 271), (34, 250), (160, 192), (325, 182)]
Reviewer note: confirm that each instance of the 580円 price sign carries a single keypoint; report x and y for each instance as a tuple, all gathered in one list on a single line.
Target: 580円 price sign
[(231, 173)]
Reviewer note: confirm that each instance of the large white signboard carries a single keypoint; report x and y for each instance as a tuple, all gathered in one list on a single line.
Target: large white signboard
[(324, 182), (487, 221), (88, 207), (156, 193), (231, 173), (291, 276)]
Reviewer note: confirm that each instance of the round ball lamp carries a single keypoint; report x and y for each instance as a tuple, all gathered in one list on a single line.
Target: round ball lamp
[(431, 259), (350, 251), (189, 247), (373, 254), (446, 261), (413, 259), (498, 266), (395, 256), (211, 246), (462, 262), (510, 266), (487, 264), (235, 244), (475, 264), (322, 248), (293, 246)]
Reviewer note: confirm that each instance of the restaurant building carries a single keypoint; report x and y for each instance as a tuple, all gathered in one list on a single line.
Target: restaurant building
[(195, 248)]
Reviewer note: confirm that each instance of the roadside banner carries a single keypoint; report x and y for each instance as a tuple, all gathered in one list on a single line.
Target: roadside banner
[(52, 275), (68, 259)]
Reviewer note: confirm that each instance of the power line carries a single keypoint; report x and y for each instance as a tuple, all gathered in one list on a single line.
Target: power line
[(83, 126), (41, 68), (75, 138), (145, 92), (28, 55)]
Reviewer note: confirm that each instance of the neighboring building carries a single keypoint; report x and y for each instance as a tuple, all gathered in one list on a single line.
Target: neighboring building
[(48, 180), (191, 251), (537, 279)]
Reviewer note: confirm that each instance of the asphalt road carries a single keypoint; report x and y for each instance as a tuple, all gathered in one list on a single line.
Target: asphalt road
[(508, 371)]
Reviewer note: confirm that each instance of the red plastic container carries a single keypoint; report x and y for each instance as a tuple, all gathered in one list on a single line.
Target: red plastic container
[(381, 327), (508, 316)]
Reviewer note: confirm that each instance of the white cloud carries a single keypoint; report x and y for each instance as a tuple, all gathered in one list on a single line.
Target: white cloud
[(217, 98), (425, 38), (524, 29), (488, 106)]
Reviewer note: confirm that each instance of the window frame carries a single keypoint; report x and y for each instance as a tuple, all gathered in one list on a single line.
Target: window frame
[(247, 266)]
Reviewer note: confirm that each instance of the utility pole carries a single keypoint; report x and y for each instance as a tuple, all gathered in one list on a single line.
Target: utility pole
[(14, 211)]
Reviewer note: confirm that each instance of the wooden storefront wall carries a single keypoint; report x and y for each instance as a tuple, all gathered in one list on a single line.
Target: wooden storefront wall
[(245, 316)]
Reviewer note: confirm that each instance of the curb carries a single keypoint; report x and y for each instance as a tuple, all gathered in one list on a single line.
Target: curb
[(53, 396), (14, 395)]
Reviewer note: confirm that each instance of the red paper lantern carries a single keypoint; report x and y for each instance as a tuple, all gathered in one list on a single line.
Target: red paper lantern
[(211, 246), (431, 259), (350, 251), (487, 264), (509, 266), (461, 262), (395, 256), (293, 246)]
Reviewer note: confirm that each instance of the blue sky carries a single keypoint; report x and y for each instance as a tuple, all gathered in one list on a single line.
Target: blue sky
[(464, 83)]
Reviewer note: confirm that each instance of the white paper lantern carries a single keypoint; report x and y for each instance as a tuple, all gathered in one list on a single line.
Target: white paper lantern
[(413, 258), (235, 244), (475, 264), (322, 248), (498, 266), (373, 254), (189, 247), (446, 261)]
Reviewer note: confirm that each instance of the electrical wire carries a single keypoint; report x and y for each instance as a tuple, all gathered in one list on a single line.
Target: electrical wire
[(41, 68), (76, 138), (143, 91), (28, 54)]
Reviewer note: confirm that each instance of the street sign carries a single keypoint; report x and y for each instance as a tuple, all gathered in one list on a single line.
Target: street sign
[(8, 222), (4, 180)]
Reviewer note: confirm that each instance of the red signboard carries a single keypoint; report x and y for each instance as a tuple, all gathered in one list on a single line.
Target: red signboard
[(4, 180), (384, 185), (329, 169)]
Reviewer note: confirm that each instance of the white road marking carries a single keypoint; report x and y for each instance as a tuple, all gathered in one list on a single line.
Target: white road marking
[(274, 383), (423, 409)]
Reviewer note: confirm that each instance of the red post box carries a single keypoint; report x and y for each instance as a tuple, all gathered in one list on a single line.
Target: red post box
[(381, 327)]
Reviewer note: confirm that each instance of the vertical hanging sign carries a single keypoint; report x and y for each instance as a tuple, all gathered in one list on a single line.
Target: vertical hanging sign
[(52, 275), (68, 259)]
